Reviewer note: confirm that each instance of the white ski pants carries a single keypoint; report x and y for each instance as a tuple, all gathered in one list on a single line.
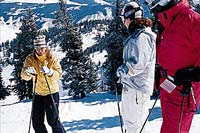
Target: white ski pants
[(135, 105)]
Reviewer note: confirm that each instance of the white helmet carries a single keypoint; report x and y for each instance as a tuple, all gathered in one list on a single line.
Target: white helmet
[(132, 10)]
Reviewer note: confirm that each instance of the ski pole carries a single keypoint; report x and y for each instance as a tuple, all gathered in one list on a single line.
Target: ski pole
[(185, 92), (181, 115), (120, 117), (29, 127), (149, 114), (54, 104)]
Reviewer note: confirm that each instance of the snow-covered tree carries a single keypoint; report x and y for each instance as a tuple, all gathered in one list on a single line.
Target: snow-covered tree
[(58, 33), (23, 46), (91, 76), (113, 41), (3, 90), (5, 49), (75, 64)]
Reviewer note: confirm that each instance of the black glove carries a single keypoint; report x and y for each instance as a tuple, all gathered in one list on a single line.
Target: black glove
[(189, 74)]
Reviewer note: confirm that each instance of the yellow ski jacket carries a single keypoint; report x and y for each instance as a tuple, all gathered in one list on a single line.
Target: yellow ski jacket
[(38, 62)]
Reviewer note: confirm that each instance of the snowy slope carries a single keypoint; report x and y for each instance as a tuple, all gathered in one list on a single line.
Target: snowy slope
[(80, 10), (37, 1), (97, 113)]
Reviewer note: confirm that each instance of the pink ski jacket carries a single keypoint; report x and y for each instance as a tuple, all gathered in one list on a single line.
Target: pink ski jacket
[(180, 41), (179, 48)]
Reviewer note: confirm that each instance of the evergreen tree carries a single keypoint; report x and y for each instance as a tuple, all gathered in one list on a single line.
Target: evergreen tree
[(5, 49), (23, 46), (75, 64), (3, 90), (113, 41), (91, 76)]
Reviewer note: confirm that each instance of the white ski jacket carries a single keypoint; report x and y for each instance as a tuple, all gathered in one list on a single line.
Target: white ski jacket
[(139, 55)]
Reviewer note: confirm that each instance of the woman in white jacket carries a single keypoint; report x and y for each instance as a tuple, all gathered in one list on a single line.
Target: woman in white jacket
[(137, 71)]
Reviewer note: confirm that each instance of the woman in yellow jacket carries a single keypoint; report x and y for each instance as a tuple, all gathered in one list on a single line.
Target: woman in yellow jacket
[(42, 66)]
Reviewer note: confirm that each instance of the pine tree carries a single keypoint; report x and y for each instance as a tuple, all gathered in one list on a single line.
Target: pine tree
[(5, 49), (3, 90), (23, 46), (91, 76), (113, 41), (75, 64)]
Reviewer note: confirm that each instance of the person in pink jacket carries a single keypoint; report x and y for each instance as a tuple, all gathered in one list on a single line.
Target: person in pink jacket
[(179, 56)]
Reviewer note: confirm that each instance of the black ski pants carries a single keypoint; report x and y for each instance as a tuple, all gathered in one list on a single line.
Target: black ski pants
[(44, 105)]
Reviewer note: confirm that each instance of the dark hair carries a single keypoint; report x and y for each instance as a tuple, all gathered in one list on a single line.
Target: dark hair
[(139, 23)]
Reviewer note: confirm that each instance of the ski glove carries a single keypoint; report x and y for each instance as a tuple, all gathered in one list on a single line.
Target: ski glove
[(30, 71), (46, 70), (189, 74), (120, 73), (122, 70)]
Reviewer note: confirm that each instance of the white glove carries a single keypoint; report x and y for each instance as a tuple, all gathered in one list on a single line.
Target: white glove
[(30, 71), (46, 70)]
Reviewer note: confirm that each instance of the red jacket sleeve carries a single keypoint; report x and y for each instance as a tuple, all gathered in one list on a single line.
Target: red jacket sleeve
[(195, 36)]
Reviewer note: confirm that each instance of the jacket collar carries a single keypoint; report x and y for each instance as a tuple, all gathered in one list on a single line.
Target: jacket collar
[(134, 34), (41, 58), (167, 17)]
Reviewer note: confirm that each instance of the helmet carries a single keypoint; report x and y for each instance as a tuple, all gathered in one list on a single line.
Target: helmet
[(132, 10), (161, 5), (153, 3)]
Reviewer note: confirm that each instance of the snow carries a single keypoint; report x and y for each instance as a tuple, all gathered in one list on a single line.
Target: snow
[(8, 30), (47, 23), (7, 75), (97, 113), (38, 1), (98, 15), (99, 57), (196, 2), (88, 40), (103, 2)]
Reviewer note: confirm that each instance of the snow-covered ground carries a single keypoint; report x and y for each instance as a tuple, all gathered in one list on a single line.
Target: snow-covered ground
[(97, 113)]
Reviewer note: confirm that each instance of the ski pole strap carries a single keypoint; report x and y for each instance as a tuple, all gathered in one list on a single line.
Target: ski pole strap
[(167, 76), (186, 88)]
